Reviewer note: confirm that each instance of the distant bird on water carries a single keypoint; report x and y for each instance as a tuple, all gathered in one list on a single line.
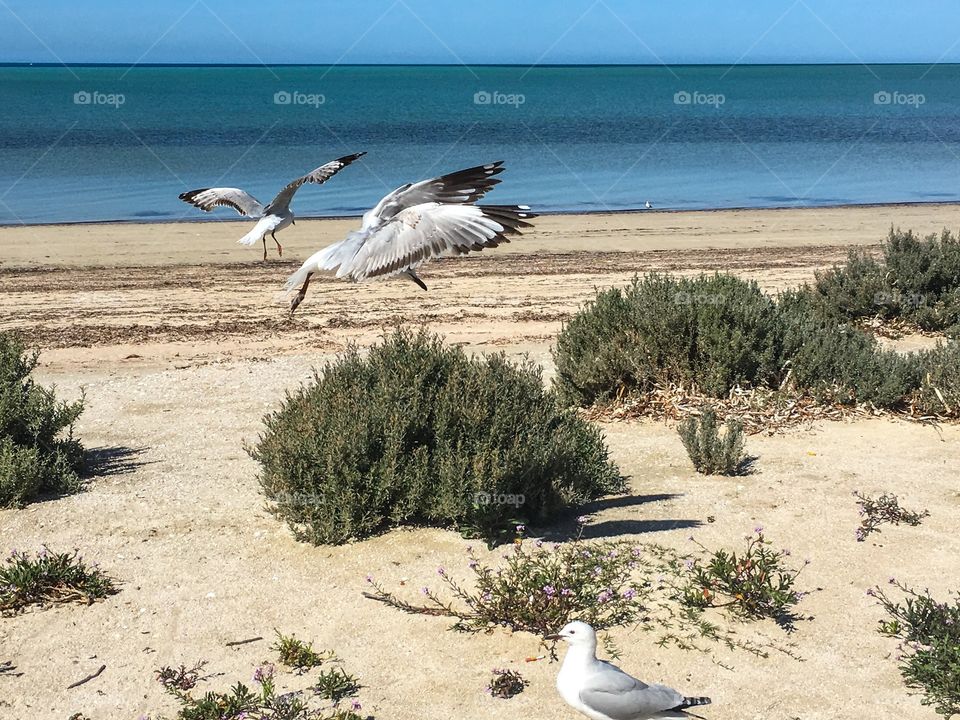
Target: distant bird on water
[(273, 217), (415, 223), (602, 691), (648, 205)]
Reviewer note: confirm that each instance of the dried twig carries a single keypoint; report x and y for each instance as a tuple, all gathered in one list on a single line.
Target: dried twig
[(233, 643), (88, 678)]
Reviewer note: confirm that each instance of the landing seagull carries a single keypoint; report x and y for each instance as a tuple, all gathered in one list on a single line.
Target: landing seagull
[(415, 223), (273, 217), (602, 691)]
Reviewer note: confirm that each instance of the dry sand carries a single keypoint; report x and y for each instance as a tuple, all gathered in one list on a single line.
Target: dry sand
[(178, 338)]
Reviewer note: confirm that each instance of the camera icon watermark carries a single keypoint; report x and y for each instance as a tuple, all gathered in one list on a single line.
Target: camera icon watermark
[(485, 498), (687, 298), (897, 98), (284, 97), (483, 97), (683, 97), (899, 298), (95, 97)]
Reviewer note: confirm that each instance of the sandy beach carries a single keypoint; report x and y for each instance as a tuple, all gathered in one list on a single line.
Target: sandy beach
[(180, 340)]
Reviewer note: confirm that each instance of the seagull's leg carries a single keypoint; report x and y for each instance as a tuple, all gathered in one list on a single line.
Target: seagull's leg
[(279, 246), (413, 276), (264, 238), (302, 293)]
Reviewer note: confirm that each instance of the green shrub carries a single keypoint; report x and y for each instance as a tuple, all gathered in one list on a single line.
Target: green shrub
[(917, 280), (49, 578), (711, 453), (937, 389), (754, 584), (417, 433), (929, 652), (298, 654), (38, 453), (827, 357), (713, 332)]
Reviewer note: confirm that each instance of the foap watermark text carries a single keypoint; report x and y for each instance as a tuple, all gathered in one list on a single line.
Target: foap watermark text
[(483, 97), (95, 97), (295, 97), (897, 98), (684, 97)]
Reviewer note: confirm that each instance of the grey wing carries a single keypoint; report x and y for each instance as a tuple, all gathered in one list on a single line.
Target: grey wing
[(425, 231), (317, 176), (622, 697), (462, 186), (208, 198)]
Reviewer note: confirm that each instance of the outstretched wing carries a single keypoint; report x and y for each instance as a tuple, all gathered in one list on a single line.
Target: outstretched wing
[(421, 232), (209, 198), (318, 176), (463, 186)]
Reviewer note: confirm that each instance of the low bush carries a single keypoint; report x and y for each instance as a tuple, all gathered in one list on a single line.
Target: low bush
[(38, 453), (298, 654), (711, 452), (916, 280), (713, 332), (755, 583), (49, 578), (929, 651), (417, 433), (539, 589)]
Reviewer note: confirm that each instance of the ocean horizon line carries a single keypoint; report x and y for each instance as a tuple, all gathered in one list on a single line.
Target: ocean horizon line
[(27, 64)]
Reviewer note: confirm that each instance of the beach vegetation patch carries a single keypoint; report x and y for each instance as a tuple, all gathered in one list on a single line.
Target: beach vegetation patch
[(48, 578), (711, 451), (915, 281), (929, 647), (418, 433), (38, 452)]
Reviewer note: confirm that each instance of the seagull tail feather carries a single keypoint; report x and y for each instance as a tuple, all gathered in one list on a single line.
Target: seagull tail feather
[(693, 702)]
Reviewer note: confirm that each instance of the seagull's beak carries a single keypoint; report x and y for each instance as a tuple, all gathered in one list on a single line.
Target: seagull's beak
[(553, 637)]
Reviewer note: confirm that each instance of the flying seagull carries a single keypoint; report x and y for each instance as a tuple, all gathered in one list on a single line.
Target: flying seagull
[(415, 223), (273, 217), (602, 691)]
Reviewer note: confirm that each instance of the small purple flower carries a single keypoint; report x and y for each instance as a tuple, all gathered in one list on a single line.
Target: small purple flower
[(892, 580), (521, 528), (263, 673), (549, 591), (441, 572), (758, 529), (474, 564), (612, 554), (369, 578), (629, 594), (566, 592), (637, 552), (539, 543), (583, 520), (870, 592), (355, 706), (425, 590), (604, 596), (690, 538), (689, 564)]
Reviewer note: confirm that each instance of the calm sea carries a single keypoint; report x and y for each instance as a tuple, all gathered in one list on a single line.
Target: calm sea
[(114, 143)]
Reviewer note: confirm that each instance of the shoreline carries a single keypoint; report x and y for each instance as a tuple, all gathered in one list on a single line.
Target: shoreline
[(545, 213)]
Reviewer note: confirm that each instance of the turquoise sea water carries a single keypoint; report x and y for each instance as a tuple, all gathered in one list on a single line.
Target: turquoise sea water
[(115, 143)]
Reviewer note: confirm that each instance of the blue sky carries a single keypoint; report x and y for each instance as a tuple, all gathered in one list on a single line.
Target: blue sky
[(495, 31)]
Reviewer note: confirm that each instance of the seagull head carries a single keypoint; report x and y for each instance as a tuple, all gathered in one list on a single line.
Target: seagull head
[(576, 633)]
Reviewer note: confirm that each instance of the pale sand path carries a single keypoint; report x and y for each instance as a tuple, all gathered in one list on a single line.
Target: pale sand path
[(180, 362)]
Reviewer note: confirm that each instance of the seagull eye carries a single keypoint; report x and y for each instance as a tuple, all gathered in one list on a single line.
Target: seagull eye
[(573, 632)]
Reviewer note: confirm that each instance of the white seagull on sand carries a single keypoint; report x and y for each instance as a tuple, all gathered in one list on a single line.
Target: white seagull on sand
[(602, 691), (273, 217), (415, 223)]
